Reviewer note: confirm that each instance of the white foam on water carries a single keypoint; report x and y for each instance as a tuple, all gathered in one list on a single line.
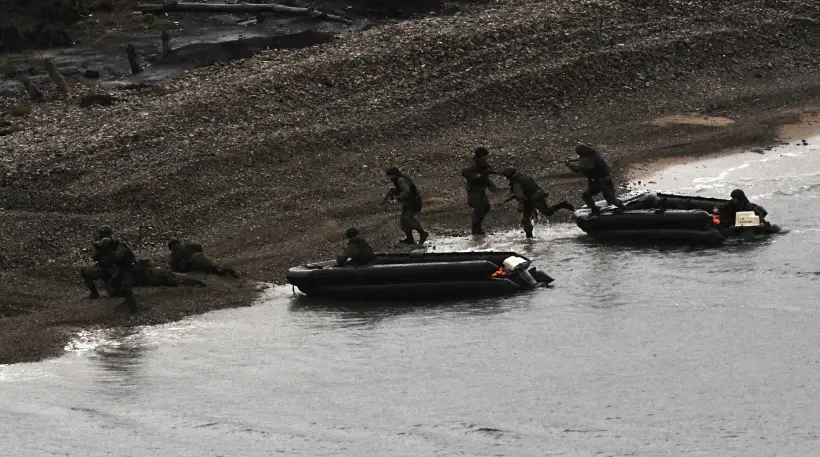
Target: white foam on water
[(507, 240), (785, 170), (88, 341), (21, 372)]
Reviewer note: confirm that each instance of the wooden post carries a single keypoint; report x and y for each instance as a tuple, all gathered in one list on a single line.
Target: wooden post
[(166, 44), (33, 91), (132, 59), (56, 76)]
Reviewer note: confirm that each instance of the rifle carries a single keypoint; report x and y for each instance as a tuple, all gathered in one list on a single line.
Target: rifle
[(389, 196)]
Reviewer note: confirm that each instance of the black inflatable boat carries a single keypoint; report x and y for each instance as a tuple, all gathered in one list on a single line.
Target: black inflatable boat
[(659, 218), (419, 275)]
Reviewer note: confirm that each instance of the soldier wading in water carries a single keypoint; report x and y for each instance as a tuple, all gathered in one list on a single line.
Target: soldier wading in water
[(408, 195), (477, 175), (531, 198)]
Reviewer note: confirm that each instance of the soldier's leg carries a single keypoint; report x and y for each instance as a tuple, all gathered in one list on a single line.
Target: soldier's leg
[(90, 275), (547, 210), (406, 225), (415, 224), (480, 210), (526, 218), (593, 189), (608, 190), (126, 284), (179, 279)]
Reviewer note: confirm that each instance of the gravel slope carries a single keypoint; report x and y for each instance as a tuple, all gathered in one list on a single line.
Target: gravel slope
[(268, 159)]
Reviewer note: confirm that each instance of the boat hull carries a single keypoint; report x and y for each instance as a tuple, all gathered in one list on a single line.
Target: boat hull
[(656, 218), (414, 277)]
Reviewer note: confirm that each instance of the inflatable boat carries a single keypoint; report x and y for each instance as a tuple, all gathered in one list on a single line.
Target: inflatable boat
[(419, 275), (659, 218)]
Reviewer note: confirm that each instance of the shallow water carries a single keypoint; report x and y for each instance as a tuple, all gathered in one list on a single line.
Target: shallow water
[(634, 352)]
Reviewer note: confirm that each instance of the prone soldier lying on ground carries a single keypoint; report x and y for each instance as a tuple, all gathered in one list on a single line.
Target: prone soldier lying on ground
[(150, 275), (186, 257)]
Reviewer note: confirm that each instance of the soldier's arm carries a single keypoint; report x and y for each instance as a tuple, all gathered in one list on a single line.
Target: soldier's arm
[(470, 173), (389, 195), (581, 166), (350, 251), (760, 211)]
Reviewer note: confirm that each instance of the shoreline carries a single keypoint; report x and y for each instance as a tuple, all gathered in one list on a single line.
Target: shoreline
[(267, 160), (807, 126), (253, 290)]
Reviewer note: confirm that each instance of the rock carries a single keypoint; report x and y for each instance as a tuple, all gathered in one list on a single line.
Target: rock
[(91, 74), (96, 99), (20, 109)]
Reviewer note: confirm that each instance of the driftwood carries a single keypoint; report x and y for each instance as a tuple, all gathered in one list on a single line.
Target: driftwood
[(10, 130), (96, 99), (32, 89), (56, 76), (166, 44), (132, 59), (183, 7)]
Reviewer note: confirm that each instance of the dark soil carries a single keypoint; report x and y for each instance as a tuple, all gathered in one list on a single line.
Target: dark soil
[(268, 159)]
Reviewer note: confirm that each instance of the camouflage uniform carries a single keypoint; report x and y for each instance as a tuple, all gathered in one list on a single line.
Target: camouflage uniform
[(97, 270), (149, 275), (187, 257), (531, 198), (119, 257), (406, 192), (358, 251), (599, 181), (477, 175)]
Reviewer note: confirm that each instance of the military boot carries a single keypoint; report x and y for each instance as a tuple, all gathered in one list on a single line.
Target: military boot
[(131, 301), (423, 236), (477, 230), (409, 238)]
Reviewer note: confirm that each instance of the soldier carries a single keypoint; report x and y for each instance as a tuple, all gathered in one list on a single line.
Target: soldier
[(739, 202), (408, 195), (118, 255), (358, 251), (530, 197), (189, 257), (97, 271), (150, 275), (597, 172), (477, 175)]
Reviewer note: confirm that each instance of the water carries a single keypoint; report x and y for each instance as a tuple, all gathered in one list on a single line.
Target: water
[(645, 352)]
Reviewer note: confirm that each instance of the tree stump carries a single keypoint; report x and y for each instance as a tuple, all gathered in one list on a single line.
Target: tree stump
[(33, 91), (132, 59), (56, 76)]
